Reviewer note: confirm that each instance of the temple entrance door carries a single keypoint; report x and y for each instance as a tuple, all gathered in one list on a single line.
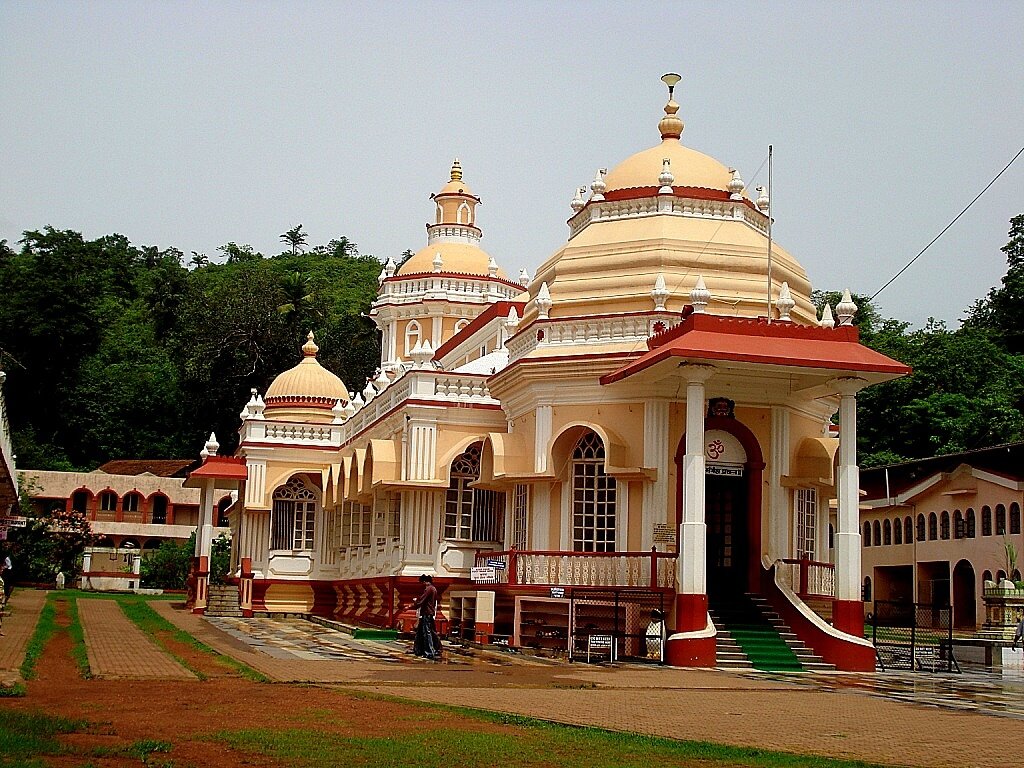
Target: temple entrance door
[(725, 512)]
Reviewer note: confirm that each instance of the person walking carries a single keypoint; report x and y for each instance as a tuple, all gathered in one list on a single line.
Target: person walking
[(1018, 635), (427, 642)]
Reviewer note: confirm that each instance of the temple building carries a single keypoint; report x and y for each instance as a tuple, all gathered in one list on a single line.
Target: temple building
[(644, 425)]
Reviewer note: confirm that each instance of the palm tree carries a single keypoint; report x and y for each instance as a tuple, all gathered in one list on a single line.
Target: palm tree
[(296, 239), (298, 291), (342, 247)]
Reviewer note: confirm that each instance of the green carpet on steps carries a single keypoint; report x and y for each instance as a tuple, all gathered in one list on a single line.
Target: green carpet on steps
[(758, 639)]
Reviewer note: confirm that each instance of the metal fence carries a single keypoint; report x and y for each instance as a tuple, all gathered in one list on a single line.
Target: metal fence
[(913, 636), (608, 625)]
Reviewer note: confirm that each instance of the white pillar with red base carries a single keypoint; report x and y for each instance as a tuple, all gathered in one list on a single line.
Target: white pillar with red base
[(693, 642), (848, 611)]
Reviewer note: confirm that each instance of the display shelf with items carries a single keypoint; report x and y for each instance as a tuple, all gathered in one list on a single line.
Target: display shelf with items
[(472, 615), (542, 624)]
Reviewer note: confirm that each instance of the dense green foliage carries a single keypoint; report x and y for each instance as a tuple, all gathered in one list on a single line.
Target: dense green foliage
[(168, 566), (52, 541), (116, 350)]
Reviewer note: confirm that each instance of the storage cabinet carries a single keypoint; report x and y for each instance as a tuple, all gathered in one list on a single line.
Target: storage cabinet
[(472, 615), (542, 624)]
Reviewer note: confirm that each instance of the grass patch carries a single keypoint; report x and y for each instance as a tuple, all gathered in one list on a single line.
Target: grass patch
[(78, 651), (46, 627), (12, 691), (526, 743), (153, 624), (27, 736)]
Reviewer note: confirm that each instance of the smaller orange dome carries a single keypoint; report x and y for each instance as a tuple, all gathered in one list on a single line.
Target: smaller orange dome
[(307, 381)]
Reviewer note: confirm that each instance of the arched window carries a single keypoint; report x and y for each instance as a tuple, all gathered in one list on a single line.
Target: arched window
[(887, 533), (933, 526), (460, 324), (471, 514), (877, 538), (158, 511), (108, 501), (222, 512), (1000, 575), (1014, 518), (1000, 520), (867, 534), (593, 498), (412, 336), (897, 531), (80, 501), (132, 502), (986, 576), (958, 524), (971, 524), (986, 521), (294, 519), (866, 592), (908, 530), (1016, 575), (462, 215), (944, 525), (920, 528)]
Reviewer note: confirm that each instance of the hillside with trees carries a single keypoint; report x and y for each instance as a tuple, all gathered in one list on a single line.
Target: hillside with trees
[(116, 350)]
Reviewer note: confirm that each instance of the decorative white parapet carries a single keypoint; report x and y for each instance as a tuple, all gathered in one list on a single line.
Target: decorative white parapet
[(827, 320), (846, 309), (785, 303), (598, 186), (613, 329), (660, 292), (615, 210), (700, 296)]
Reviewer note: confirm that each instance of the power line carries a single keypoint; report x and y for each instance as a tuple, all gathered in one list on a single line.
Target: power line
[(934, 239)]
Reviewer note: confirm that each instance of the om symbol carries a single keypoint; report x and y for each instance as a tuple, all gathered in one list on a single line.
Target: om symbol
[(715, 449)]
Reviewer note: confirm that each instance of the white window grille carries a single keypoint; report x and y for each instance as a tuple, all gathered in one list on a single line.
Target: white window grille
[(412, 336), (294, 519), (520, 516), (806, 519), (395, 517), (593, 498), (471, 514)]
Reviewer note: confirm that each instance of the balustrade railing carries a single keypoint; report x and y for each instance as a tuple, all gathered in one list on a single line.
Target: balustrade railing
[(808, 578), (582, 569)]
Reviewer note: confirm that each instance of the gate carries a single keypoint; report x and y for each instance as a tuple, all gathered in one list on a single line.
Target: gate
[(913, 636), (607, 625)]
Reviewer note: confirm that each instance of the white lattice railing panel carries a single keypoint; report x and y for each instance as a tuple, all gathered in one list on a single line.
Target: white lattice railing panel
[(582, 569)]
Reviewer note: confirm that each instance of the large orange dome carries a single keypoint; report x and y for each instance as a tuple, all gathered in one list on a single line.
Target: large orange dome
[(307, 382)]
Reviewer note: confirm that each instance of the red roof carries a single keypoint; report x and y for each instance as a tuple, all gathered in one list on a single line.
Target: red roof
[(158, 467), (498, 309), (755, 340), (221, 467)]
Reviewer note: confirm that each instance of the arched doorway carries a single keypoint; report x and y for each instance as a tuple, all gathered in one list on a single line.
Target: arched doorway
[(732, 503), (965, 607)]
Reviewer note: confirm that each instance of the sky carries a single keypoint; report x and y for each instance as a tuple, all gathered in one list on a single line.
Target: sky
[(192, 124)]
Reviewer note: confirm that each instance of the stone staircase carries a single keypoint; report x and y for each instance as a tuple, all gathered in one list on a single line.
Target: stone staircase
[(751, 635), (223, 601)]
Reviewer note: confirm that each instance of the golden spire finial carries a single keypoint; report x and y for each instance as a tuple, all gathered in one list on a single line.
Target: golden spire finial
[(456, 170), (671, 126), (309, 349)]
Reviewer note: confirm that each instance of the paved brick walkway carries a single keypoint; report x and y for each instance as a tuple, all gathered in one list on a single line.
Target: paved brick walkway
[(119, 649), (19, 623)]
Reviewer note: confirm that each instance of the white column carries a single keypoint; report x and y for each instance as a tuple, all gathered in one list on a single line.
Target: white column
[(847, 539), (779, 511), (655, 499), (541, 437), (540, 516), (435, 331), (204, 528), (691, 568)]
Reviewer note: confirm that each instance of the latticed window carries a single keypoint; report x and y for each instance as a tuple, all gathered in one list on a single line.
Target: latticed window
[(959, 526), (1014, 518), (593, 498), (986, 521), (877, 529), (971, 524), (867, 534), (920, 528), (395, 516), (472, 514), (806, 520), (944, 525), (521, 516), (897, 531), (887, 533), (933, 526), (1000, 520), (908, 530), (294, 519)]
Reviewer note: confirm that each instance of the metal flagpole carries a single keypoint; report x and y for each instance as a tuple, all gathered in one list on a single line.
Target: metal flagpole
[(769, 233)]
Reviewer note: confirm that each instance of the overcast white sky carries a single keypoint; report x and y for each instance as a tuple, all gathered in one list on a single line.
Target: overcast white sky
[(193, 124)]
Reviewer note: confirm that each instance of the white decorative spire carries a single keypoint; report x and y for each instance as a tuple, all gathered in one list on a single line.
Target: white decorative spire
[(382, 276), (736, 185), (578, 203), (597, 186), (492, 267), (827, 320), (524, 277), (421, 354), (665, 178), (368, 391), (785, 303), (659, 293), (382, 381), (543, 301), (339, 412), (846, 309), (389, 268), (358, 402), (512, 321), (250, 407), (211, 447), (349, 410), (700, 296), (762, 200), (438, 262)]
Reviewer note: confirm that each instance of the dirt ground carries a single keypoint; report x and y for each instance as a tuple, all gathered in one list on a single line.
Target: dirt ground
[(185, 713)]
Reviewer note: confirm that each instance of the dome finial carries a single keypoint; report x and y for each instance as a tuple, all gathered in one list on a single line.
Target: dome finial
[(309, 349), (456, 170), (671, 126)]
